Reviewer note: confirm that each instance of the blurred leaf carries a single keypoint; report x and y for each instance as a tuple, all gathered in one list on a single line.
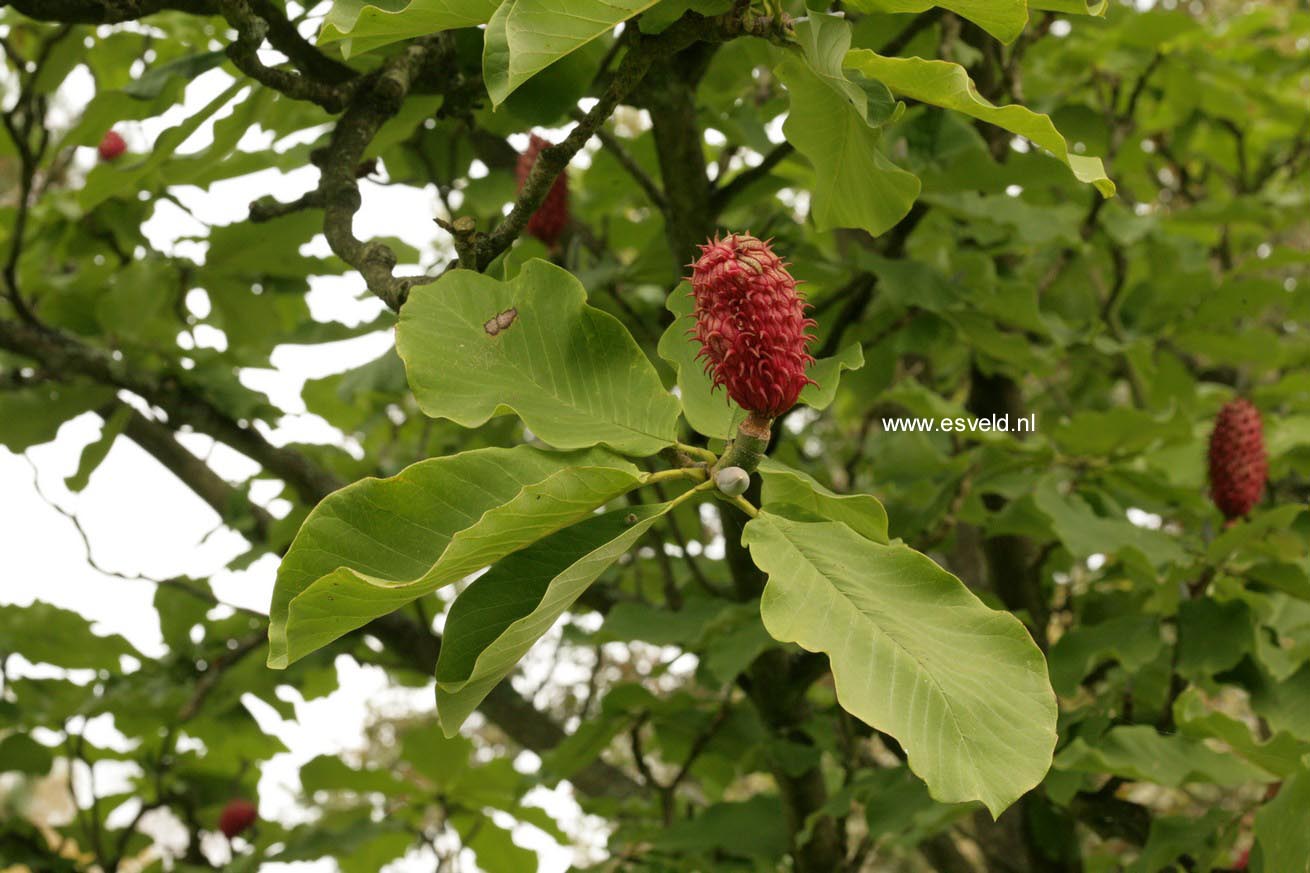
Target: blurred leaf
[(1212, 636), (110, 180), (95, 452), (1131, 640), (1280, 754), (1281, 835), (33, 415), (1003, 19), (151, 84), (752, 828), (46, 634), (947, 85), (1138, 753), (20, 753)]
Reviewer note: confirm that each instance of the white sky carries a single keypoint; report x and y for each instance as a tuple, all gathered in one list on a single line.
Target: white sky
[(140, 520)]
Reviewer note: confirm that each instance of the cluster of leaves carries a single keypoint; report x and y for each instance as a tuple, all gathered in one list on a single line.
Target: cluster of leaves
[(871, 686)]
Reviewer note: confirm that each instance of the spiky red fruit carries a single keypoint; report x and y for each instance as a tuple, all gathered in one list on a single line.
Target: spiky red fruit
[(111, 146), (236, 817), (751, 324), (1238, 465), (552, 216)]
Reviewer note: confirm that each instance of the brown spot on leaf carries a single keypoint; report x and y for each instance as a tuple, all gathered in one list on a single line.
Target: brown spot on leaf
[(500, 321)]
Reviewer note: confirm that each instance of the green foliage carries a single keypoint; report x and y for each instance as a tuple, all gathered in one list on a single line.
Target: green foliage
[(498, 617), (947, 85), (967, 698), (378, 545), (1004, 20), (363, 27), (966, 650), (525, 37), (572, 373), (829, 122)]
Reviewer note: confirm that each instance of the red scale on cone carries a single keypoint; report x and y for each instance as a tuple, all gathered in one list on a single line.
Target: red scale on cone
[(751, 324), (1238, 464), (552, 216)]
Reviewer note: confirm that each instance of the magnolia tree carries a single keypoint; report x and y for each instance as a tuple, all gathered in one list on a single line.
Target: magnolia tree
[(795, 435)]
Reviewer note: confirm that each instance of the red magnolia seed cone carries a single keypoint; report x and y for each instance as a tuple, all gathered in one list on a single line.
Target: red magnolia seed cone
[(552, 216), (111, 146), (751, 324), (236, 817), (1238, 465)]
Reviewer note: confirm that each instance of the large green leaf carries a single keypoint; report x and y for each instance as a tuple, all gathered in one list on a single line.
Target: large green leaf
[(1003, 19), (862, 513), (855, 184), (712, 412), (915, 654), (940, 83), (824, 41), (526, 36), (572, 373), (378, 544), (362, 26), (494, 622)]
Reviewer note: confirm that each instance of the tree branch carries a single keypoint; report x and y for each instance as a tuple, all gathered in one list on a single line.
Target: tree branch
[(232, 504), (640, 176), (743, 180), (372, 104), (59, 352), (643, 52), (244, 53), (303, 53), (28, 114), (105, 11)]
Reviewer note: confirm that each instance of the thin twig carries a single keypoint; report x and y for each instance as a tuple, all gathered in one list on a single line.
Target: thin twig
[(724, 195), (639, 175)]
